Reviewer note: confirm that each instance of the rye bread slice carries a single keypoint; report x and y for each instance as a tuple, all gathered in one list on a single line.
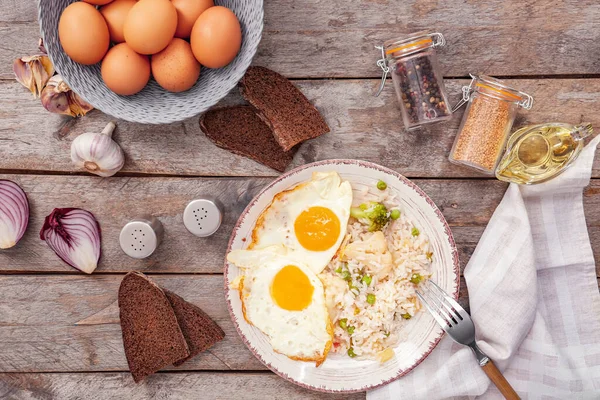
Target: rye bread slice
[(151, 335), (199, 330), (241, 131), (282, 106)]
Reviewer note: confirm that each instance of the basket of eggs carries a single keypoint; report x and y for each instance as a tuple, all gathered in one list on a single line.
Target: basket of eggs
[(151, 61)]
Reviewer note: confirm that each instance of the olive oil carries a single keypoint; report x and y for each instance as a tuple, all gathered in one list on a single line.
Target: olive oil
[(537, 153)]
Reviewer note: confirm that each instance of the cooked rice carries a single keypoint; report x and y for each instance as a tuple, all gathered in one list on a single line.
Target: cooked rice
[(376, 325)]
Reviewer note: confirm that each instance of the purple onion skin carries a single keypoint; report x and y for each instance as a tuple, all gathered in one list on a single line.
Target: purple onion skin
[(53, 225), (14, 209)]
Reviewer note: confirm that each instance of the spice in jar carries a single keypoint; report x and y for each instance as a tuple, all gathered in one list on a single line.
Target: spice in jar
[(420, 87), (488, 119), (483, 134), (417, 79)]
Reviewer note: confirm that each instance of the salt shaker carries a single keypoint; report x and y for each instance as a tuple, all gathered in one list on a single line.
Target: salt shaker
[(140, 237)]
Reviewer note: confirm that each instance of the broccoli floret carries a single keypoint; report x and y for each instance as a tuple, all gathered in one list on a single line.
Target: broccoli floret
[(374, 214)]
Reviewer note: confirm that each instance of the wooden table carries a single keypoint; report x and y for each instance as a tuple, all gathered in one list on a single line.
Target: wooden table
[(59, 331)]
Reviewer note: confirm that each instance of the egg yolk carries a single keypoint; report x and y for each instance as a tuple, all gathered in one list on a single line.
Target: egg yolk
[(291, 289), (317, 229)]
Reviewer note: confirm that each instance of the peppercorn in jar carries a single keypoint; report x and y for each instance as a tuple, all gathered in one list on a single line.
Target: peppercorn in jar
[(412, 62), (491, 110)]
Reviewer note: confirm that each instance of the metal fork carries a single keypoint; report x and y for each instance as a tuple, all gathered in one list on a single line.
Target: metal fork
[(459, 325)]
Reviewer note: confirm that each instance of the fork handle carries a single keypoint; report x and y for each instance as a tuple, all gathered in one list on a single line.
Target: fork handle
[(500, 381)]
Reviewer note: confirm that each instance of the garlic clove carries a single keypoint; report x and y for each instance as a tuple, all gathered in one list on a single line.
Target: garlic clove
[(33, 72), (98, 153), (42, 47), (57, 97)]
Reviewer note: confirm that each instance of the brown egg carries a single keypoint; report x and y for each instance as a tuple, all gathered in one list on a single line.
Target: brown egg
[(83, 33), (124, 71), (216, 37), (188, 12), (175, 68), (98, 2), (150, 26), (115, 14)]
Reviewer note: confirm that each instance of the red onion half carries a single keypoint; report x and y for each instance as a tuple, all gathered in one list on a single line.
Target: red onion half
[(14, 213), (74, 235)]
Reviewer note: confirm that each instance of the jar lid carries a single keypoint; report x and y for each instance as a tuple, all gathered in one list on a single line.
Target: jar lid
[(413, 43), (497, 89)]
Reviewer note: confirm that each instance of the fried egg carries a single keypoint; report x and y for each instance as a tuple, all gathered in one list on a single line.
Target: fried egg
[(286, 301), (309, 219)]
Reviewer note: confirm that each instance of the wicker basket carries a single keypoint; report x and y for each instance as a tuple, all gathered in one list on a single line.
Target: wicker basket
[(154, 105)]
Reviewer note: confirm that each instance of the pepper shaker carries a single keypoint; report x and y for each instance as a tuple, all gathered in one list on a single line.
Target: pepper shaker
[(202, 217)]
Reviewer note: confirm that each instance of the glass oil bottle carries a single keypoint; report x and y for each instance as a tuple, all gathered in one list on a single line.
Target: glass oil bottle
[(537, 153)]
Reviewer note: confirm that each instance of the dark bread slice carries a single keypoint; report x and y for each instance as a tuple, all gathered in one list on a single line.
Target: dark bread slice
[(199, 330), (151, 335), (241, 131), (282, 106)]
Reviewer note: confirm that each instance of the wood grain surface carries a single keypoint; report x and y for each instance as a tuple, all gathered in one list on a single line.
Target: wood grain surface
[(336, 38), (59, 331), (71, 323), (362, 127), (183, 385), (466, 204)]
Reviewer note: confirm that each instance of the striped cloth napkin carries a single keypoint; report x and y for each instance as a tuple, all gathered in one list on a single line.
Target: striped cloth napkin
[(534, 300)]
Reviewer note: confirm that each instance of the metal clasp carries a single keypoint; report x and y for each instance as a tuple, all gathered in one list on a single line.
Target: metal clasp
[(466, 93), (438, 39), (382, 63), (527, 102)]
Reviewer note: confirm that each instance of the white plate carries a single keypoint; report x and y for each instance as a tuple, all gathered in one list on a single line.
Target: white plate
[(420, 334)]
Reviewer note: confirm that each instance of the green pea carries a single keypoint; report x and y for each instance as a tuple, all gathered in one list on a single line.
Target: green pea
[(351, 352), (381, 185), (343, 323), (346, 275), (371, 298), (406, 316), (415, 232), (350, 330), (416, 278), (367, 280), (395, 214)]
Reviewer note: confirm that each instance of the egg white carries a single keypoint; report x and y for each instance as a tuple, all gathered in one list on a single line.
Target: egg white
[(304, 335), (275, 226)]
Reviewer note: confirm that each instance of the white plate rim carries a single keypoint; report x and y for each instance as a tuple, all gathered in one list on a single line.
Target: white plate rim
[(337, 162)]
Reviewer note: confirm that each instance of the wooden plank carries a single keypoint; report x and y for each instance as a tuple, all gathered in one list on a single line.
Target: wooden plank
[(335, 38), (467, 205), (71, 323), (363, 127), (188, 385)]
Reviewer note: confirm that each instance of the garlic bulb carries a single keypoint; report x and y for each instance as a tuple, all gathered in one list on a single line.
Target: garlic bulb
[(57, 97), (98, 153), (33, 72)]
